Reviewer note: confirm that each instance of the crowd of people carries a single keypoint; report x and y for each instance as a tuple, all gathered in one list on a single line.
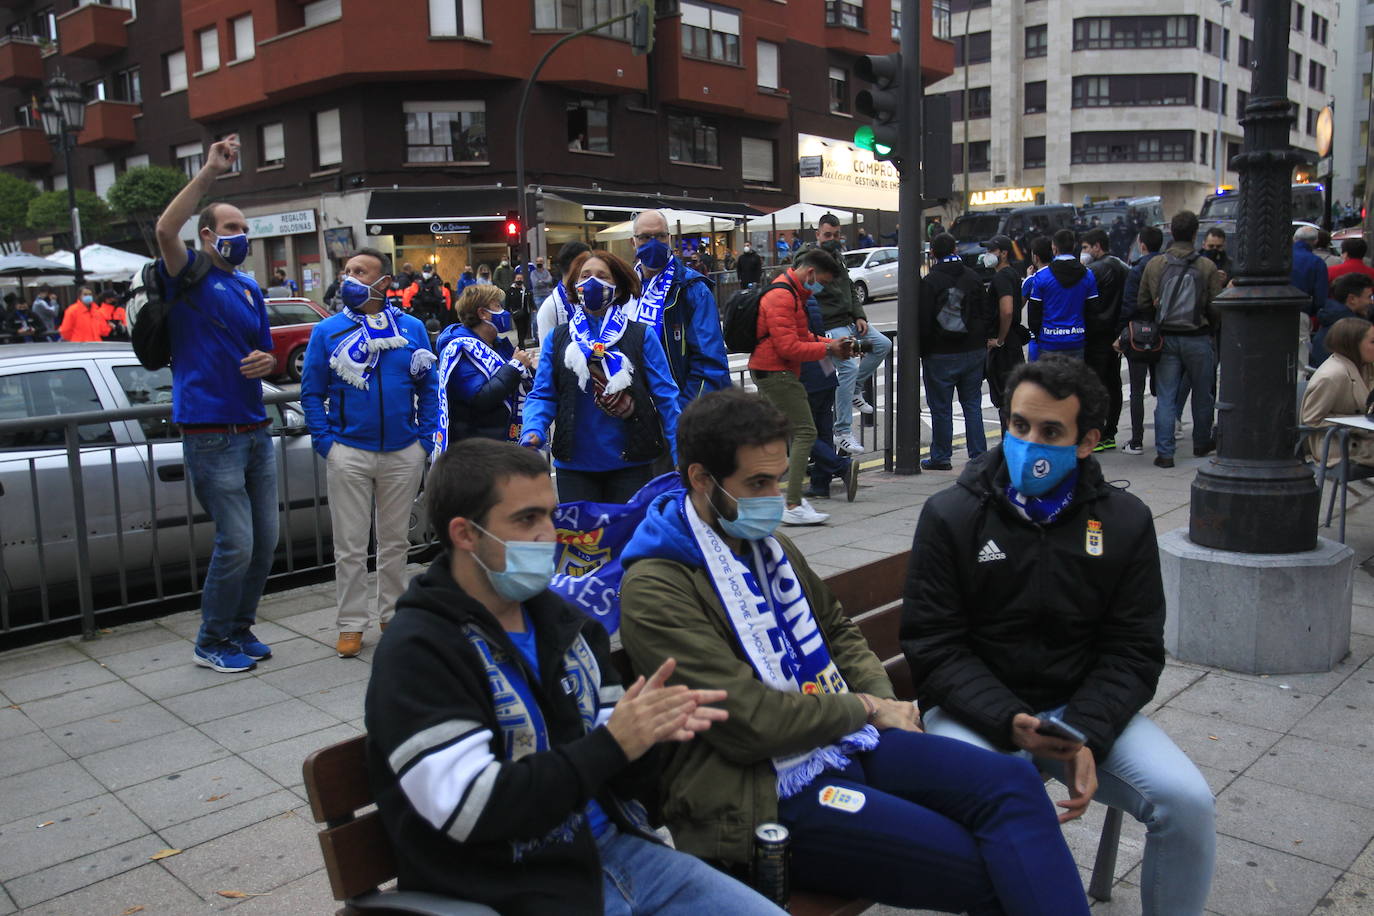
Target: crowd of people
[(92, 316)]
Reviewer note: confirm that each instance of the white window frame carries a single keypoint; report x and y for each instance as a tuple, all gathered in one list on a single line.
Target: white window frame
[(456, 19), (754, 150), (272, 144), (322, 11), (461, 106), (207, 41), (241, 28), (103, 174), (769, 57), (186, 151), (174, 65), (137, 161), (328, 140)]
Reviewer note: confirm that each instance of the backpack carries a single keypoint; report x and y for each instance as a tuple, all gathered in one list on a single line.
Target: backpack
[(428, 296), (1181, 295), (1141, 341), (959, 306), (739, 324), (149, 309)]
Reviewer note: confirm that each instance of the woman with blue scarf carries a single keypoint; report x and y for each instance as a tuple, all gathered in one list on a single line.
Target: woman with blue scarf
[(607, 385), (481, 383)]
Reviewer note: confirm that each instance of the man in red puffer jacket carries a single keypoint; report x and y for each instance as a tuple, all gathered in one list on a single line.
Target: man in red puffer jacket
[(785, 342)]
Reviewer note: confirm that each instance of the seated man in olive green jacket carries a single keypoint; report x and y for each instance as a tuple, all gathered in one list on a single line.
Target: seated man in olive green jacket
[(815, 739)]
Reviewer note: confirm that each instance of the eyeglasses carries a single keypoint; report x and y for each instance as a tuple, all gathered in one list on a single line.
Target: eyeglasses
[(651, 236)]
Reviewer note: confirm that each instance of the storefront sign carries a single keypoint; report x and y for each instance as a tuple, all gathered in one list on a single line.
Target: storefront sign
[(848, 177), (449, 228), (1002, 197), (290, 223)]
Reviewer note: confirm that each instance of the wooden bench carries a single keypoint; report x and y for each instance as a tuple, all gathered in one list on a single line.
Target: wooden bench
[(358, 855)]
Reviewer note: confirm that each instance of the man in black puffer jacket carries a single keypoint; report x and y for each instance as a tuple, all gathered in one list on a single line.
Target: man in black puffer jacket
[(1034, 591)]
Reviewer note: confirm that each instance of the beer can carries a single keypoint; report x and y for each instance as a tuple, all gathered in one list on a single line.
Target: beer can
[(770, 871)]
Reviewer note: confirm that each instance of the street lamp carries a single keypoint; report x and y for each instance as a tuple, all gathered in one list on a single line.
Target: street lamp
[(1217, 143), (64, 115)]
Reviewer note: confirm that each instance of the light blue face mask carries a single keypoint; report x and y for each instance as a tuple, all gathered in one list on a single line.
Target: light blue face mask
[(812, 286), (756, 517), (529, 567), (1036, 469)]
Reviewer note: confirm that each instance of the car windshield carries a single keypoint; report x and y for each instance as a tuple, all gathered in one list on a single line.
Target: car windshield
[(1307, 204), (1225, 207), (975, 227), (283, 313), (855, 258)]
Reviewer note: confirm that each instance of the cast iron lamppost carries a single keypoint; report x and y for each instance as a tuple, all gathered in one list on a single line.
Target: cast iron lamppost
[(64, 115), (1255, 496)]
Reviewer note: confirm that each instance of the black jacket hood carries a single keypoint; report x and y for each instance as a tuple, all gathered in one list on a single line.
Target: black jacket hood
[(1068, 272)]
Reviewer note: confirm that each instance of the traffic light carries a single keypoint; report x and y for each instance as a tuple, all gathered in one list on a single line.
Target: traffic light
[(642, 28), (882, 103), (512, 227)]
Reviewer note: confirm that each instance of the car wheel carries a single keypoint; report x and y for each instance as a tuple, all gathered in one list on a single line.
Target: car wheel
[(861, 292), (295, 364)]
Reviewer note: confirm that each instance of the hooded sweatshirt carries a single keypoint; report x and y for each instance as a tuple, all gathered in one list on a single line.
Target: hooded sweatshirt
[(1057, 298)]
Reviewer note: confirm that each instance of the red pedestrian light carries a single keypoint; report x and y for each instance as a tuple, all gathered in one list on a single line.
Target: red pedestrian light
[(512, 226)]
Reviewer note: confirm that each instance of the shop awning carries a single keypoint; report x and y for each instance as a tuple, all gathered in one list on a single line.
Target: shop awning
[(440, 205), (800, 216), (620, 205)]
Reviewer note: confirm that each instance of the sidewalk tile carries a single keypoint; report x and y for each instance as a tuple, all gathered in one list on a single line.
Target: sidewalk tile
[(1260, 704), (83, 871), (169, 654), (1364, 863), (185, 624), (1321, 683), (344, 702), (76, 830), (39, 658), (183, 678), (1295, 822), (29, 752), (127, 638), (321, 623), (296, 651), (83, 704), (268, 725), (52, 681), (297, 601), (35, 791), (245, 814), (1251, 880), (196, 792), (254, 860), (1362, 619), (15, 722), (282, 760), (114, 729), (1340, 773), (1173, 680), (226, 698), (149, 886), (132, 764), (6, 904), (1215, 742), (319, 675), (1342, 719), (302, 897), (1351, 895)]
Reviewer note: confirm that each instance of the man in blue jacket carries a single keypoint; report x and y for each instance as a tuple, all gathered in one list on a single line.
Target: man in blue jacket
[(370, 399), (678, 306), (1309, 275), (1057, 299)]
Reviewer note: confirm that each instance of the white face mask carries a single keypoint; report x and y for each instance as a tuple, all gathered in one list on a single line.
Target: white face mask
[(1085, 257), (988, 259)]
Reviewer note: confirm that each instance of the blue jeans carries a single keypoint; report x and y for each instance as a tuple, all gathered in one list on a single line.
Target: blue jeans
[(851, 373), (1034, 352), (234, 475), (946, 373), (936, 825), (1149, 778), (640, 877), (826, 463), (1194, 359)]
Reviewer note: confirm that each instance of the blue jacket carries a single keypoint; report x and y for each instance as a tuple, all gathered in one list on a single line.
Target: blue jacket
[(601, 437), (663, 535), (690, 336), (1309, 275), (813, 376), (1130, 295), (1331, 313), (476, 403), (1056, 300), (396, 410)]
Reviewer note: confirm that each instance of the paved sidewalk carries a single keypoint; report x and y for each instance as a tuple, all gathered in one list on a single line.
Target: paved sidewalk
[(113, 750)]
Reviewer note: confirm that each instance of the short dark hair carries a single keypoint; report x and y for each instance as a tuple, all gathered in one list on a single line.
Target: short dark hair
[(1042, 249), (830, 219), (626, 280), (820, 259), (45, 288), (943, 245), (714, 426), (1323, 239), (1344, 338), (1063, 377), (1183, 227), (1218, 232), (1152, 237), (1064, 241), (207, 217), (568, 253), (1097, 237), (1351, 284), (1354, 248), (462, 483), (381, 258)]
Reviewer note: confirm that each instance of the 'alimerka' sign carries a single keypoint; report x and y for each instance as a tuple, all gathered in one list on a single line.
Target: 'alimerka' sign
[(591, 537)]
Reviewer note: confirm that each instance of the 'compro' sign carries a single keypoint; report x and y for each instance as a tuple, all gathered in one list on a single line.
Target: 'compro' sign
[(848, 177)]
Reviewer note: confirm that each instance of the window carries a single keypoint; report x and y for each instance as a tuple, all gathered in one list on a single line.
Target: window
[(956, 105), (848, 13), (23, 115), (142, 387), (693, 139), (1319, 26), (454, 18), (972, 49), (589, 125), (272, 143), (1209, 42), (139, 161), (1295, 66), (759, 160), (242, 29), (189, 157), (839, 90), (1210, 101), (978, 156), (567, 15), (208, 39), (1133, 89), (1232, 151), (1312, 115), (102, 177), (1035, 97), (1104, 146), (237, 167), (1202, 147), (1135, 32), (94, 90), (40, 26), (41, 394), (1033, 153), (1245, 54), (322, 11), (446, 132), (1297, 17), (767, 54), (1037, 41), (1242, 100), (1316, 76), (328, 141), (895, 17), (127, 86), (710, 33), (941, 24), (174, 71), (980, 103)]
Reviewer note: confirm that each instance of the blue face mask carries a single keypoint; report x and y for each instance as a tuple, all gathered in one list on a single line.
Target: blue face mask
[(500, 321), (756, 517), (812, 286), (233, 248), (529, 567), (355, 293), (1036, 469), (654, 254), (595, 293)]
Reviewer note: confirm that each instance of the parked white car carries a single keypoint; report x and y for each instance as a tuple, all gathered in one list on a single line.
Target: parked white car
[(873, 271)]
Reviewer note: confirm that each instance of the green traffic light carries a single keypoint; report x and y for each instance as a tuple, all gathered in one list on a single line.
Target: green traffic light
[(864, 139)]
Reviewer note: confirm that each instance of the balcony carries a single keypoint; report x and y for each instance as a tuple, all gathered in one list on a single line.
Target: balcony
[(109, 124), (606, 66), (846, 29), (21, 62), (93, 31), (24, 146)]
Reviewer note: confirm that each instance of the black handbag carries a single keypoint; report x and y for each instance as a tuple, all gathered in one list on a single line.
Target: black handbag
[(1141, 341)]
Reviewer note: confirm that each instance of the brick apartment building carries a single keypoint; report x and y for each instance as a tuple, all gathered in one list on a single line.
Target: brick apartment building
[(392, 123)]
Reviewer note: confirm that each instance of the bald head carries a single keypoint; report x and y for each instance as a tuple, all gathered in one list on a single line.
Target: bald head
[(649, 224), (1306, 234)]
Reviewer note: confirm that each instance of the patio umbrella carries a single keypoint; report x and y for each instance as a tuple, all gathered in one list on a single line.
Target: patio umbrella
[(101, 262), (679, 222), (15, 267), (803, 216)]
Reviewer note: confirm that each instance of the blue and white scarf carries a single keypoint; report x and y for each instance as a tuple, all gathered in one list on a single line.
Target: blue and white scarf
[(782, 641), (356, 356), (586, 346), (649, 309), (563, 309), (1044, 509), (487, 361)]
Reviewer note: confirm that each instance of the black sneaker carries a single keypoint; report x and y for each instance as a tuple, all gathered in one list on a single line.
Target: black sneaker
[(930, 464), (1162, 462), (1205, 449)]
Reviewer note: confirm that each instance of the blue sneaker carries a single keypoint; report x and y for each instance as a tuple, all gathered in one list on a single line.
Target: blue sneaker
[(227, 659), (250, 646)]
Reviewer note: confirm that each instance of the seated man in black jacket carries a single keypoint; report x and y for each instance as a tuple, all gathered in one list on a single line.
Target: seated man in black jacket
[(500, 744), (1034, 591)]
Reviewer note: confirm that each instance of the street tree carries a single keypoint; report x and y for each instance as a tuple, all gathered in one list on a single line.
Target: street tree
[(49, 214), (141, 194), (15, 194)]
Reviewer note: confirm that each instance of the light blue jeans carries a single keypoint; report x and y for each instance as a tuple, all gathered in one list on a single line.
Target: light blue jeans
[(640, 877), (851, 373), (1186, 360), (234, 475), (1149, 778)]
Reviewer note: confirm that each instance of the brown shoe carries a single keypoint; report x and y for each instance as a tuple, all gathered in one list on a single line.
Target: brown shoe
[(383, 624), (350, 644)]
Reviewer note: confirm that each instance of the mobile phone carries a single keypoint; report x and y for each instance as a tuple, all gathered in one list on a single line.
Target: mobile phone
[(1055, 727)]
